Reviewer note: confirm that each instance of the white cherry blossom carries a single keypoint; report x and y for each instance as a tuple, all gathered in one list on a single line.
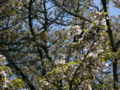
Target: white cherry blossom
[(90, 54), (89, 87), (46, 83), (58, 62), (2, 73), (1, 60)]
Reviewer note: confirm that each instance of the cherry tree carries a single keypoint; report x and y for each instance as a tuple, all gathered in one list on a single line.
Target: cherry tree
[(60, 44)]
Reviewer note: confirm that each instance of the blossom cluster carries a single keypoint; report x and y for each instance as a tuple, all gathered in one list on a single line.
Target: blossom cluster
[(96, 31), (58, 62), (90, 39), (74, 30), (2, 62), (5, 82), (3, 73), (100, 20)]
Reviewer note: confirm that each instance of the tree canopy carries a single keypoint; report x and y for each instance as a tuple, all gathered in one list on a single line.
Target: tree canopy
[(59, 45)]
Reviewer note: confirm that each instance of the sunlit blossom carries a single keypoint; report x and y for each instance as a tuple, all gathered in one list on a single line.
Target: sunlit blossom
[(105, 65), (78, 30), (46, 83), (97, 22), (1, 60), (95, 43), (80, 41), (95, 55), (100, 50), (5, 81), (74, 30), (2, 57), (2, 73), (90, 54), (102, 38), (89, 87), (103, 22), (95, 16), (57, 62)]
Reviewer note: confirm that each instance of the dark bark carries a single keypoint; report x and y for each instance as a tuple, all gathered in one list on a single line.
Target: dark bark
[(115, 76), (72, 14), (19, 73), (24, 78), (110, 34)]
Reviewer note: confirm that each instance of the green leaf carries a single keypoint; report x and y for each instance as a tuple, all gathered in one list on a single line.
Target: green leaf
[(107, 43), (55, 70), (66, 87), (105, 26), (93, 23), (105, 13), (103, 34), (70, 63), (78, 62), (94, 27), (74, 44), (50, 73), (85, 30), (103, 60)]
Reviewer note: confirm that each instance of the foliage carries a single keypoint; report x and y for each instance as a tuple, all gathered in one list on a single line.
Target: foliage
[(59, 45)]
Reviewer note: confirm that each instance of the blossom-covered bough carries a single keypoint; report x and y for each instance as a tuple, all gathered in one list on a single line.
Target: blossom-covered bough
[(84, 69), (5, 75), (3, 80), (81, 68)]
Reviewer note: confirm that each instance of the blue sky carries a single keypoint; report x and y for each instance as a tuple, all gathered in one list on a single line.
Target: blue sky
[(112, 10)]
